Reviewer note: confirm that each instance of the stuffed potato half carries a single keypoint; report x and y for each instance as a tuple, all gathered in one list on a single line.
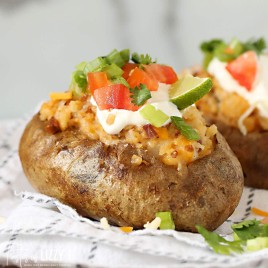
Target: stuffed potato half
[(100, 181), (238, 102), (76, 149)]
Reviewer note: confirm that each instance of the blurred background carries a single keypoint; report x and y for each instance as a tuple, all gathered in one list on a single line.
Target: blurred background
[(42, 40)]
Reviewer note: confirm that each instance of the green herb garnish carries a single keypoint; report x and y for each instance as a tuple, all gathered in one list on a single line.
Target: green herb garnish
[(141, 58), (81, 80), (258, 46), (250, 235), (220, 244), (95, 65), (229, 51), (140, 94), (209, 46), (250, 229), (112, 71), (186, 130), (120, 58)]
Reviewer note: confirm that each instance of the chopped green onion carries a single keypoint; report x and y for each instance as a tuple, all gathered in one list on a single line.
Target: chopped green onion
[(186, 130), (208, 57), (125, 54), (117, 58), (237, 47), (220, 53), (112, 71), (80, 79), (81, 66), (156, 117), (120, 80), (95, 65), (166, 220)]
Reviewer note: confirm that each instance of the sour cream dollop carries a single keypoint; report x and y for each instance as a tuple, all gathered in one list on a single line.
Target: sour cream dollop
[(258, 96), (123, 118)]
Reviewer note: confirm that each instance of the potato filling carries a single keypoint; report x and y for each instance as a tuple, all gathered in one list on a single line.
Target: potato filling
[(229, 107), (166, 143)]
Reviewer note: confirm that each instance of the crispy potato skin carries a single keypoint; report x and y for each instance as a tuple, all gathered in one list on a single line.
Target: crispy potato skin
[(251, 150), (100, 181)]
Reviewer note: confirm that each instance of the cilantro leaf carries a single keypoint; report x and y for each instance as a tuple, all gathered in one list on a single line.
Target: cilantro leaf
[(186, 130), (140, 94), (211, 45), (220, 244), (258, 45), (141, 58), (250, 229)]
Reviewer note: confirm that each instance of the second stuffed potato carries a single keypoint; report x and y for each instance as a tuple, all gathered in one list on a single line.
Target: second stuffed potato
[(238, 102)]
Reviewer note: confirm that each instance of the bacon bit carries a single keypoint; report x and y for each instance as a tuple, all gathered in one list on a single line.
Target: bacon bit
[(150, 132), (136, 160), (264, 220), (259, 212), (126, 229), (110, 119), (52, 126), (67, 102), (174, 154), (189, 148), (84, 98)]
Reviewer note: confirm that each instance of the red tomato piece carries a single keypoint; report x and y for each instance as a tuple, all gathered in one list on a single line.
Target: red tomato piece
[(244, 69), (127, 68), (114, 97), (139, 76), (97, 80), (162, 73)]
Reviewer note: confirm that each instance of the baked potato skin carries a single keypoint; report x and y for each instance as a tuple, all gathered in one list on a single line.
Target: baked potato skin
[(100, 181), (251, 150)]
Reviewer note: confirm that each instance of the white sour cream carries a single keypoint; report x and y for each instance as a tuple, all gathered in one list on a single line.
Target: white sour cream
[(123, 118), (258, 96)]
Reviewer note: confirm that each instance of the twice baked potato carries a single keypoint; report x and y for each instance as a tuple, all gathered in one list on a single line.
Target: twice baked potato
[(128, 177), (238, 103)]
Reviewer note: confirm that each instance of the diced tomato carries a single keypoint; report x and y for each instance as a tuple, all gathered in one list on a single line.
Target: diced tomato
[(97, 80), (139, 76), (162, 73), (244, 69), (114, 97), (127, 68)]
